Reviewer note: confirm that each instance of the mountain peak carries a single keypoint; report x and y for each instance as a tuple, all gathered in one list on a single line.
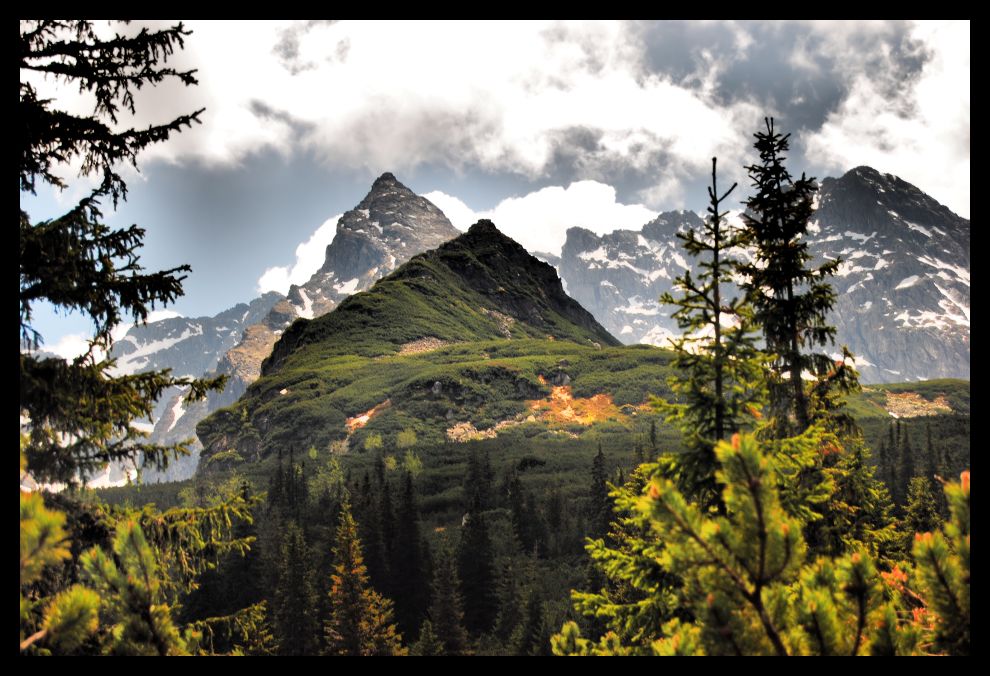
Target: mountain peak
[(864, 170), (388, 178), (484, 227)]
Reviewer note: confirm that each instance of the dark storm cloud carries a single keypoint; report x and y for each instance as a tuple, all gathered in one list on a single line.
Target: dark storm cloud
[(799, 71)]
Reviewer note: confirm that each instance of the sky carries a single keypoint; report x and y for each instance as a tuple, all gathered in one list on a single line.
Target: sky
[(540, 126)]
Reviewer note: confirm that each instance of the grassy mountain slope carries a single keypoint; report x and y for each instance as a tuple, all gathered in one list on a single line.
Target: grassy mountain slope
[(466, 333)]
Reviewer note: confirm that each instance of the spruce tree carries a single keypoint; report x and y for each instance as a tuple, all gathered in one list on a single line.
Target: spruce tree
[(478, 482), (446, 606), (78, 414), (859, 513), (511, 600), (409, 568), (368, 514), (748, 586), (294, 597), (791, 299), (921, 514), (907, 469), (476, 567), (532, 638), (718, 367), (360, 618), (600, 505), (429, 644), (555, 519), (943, 560)]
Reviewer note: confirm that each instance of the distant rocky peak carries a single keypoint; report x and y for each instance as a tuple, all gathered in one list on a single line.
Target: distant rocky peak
[(391, 212), (668, 223), (386, 185), (385, 181)]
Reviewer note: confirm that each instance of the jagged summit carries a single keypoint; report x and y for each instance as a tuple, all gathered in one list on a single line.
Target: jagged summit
[(903, 284), (485, 227), (384, 185)]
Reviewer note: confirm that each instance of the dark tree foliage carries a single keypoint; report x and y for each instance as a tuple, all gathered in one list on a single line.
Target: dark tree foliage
[(368, 514), (600, 507), (791, 299), (534, 637), (429, 644), (408, 564), (76, 416), (908, 470), (360, 620), (527, 522), (921, 514), (511, 600), (112, 71), (294, 603), (79, 415), (446, 606), (476, 565), (386, 520), (479, 483)]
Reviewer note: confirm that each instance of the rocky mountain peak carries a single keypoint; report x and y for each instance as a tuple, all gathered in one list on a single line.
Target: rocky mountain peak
[(902, 285), (384, 181), (485, 228)]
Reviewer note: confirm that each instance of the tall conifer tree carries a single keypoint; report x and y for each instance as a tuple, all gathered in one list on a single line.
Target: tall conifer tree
[(446, 606), (294, 602), (791, 299), (719, 368), (78, 413), (476, 565), (411, 593), (360, 618), (600, 505)]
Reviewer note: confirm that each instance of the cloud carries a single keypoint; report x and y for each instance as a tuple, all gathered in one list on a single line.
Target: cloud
[(641, 106), (917, 127), (540, 219), (70, 346), (500, 96), (310, 256)]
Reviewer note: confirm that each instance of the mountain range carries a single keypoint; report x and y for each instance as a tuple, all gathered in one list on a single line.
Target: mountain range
[(903, 304), (902, 287)]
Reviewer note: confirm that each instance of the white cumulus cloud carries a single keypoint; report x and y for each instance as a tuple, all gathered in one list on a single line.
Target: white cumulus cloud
[(310, 256), (540, 219)]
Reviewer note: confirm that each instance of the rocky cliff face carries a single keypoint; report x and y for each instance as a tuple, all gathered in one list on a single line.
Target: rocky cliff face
[(618, 277), (190, 347), (903, 285), (387, 228), (903, 288)]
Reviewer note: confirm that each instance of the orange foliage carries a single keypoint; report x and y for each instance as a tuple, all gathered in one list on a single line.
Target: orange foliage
[(561, 407), (360, 420)]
